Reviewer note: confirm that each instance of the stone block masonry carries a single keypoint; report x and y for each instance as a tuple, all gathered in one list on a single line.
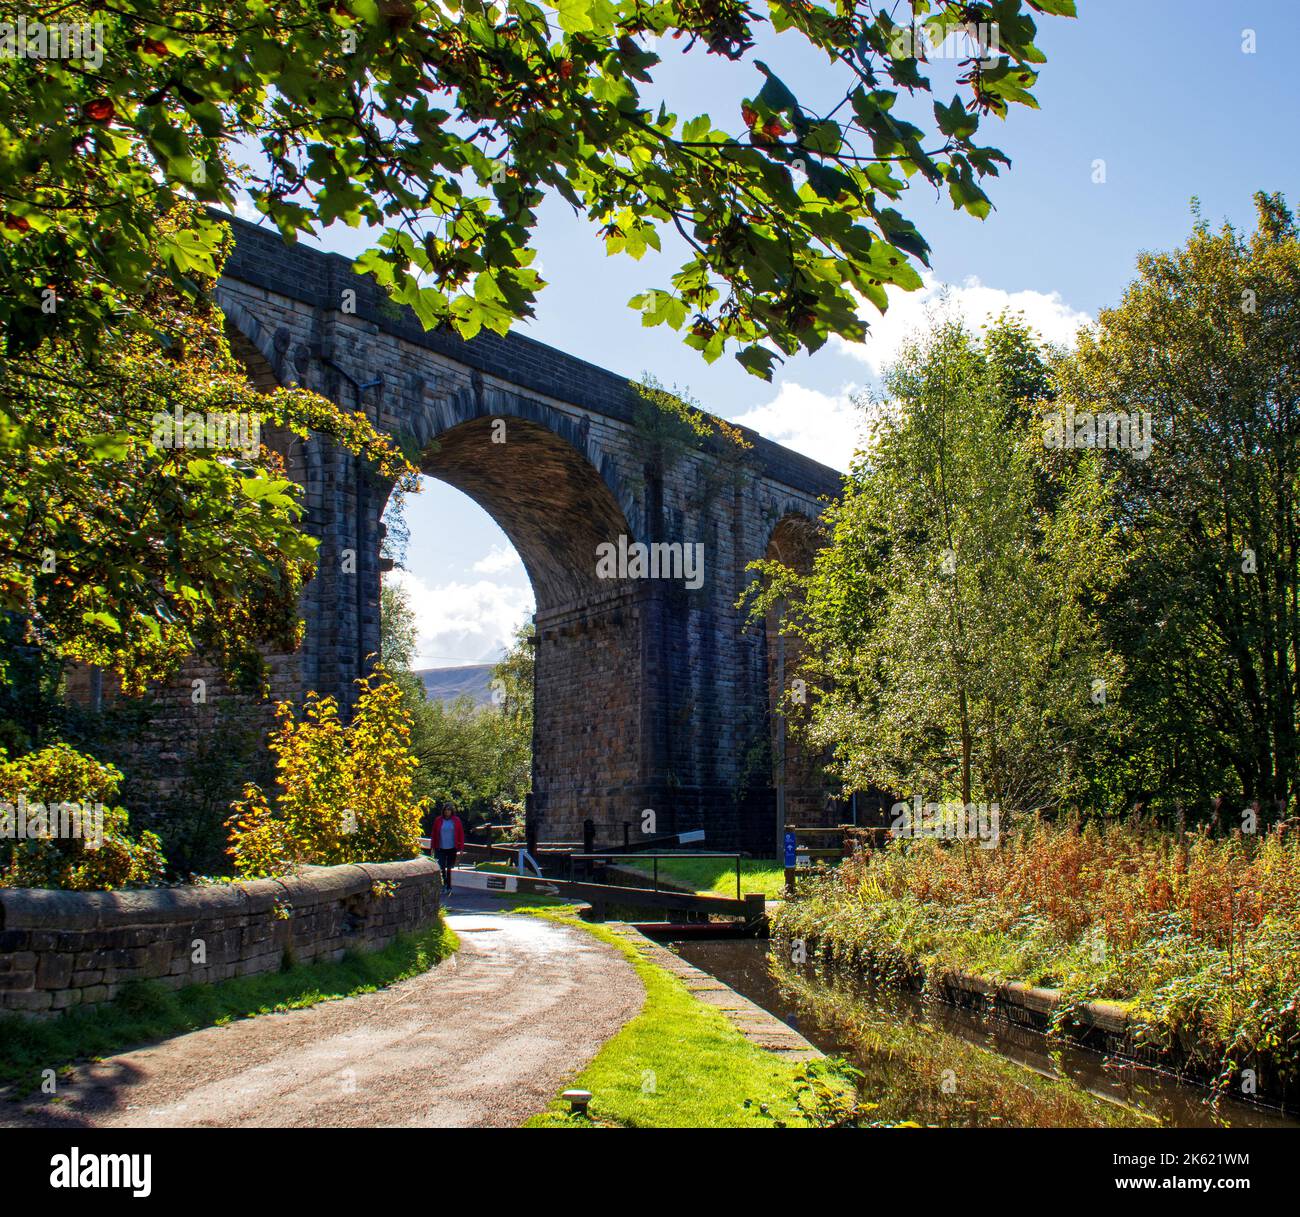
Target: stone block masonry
[(62, 949), (650, 693)]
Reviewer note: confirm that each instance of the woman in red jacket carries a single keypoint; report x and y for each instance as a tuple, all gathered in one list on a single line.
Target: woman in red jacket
[(448, 839)]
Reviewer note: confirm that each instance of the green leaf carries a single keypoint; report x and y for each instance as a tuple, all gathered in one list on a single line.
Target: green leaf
[(954, 121), (579, 16), (827, 182), (107, 620), (757, 360), (697, 128), (774, 93), (259, 488), (108, 447), (966, 194), (824, 138), (190, 251)]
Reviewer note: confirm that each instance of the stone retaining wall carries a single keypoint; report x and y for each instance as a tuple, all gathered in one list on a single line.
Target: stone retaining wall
[(61, 949)]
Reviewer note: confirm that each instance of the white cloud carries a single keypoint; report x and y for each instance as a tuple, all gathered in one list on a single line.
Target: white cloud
[(499, 559), (823, 426), (972, 301), (828, 426), (245, 210), (460, 623)]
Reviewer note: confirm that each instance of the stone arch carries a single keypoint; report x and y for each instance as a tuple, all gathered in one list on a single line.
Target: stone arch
[(253, 343), (250, 355), (544, 494), (655, 691), (557, 497), (793, 539), (434, 416)]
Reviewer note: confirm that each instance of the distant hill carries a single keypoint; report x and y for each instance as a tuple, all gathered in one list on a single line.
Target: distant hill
[(447, 684)]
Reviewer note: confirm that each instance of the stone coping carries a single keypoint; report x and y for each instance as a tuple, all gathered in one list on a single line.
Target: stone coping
[(27, 908), (758, 1026), (1111, 1017)]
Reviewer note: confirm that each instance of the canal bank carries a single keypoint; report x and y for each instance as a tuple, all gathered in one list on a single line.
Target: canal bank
[(697, 1055), (938, 1063)]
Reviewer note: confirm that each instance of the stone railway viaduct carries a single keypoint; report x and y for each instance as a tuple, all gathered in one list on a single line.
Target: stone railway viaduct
[(648, 694)]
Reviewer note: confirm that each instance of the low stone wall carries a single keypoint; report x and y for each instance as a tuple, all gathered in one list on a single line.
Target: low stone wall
[(61, 949)]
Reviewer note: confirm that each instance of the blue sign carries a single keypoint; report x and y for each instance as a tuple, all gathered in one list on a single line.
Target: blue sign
[(791, 848)]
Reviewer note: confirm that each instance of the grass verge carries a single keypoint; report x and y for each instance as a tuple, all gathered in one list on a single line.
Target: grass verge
[(717, 876), (146, 1011), (681, 1064)]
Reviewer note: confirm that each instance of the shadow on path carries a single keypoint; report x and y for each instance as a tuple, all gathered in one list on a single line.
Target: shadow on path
[(485, 1039)]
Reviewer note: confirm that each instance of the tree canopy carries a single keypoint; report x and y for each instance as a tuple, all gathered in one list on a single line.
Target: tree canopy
[(443, 124), (1018, 601), (1208, 613), (142, 517), (945, 625)]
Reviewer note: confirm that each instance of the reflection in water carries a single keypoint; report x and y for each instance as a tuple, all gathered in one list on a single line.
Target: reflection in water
[(935, 1064)]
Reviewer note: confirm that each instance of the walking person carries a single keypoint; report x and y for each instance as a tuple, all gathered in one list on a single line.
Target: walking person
[(448, 839)]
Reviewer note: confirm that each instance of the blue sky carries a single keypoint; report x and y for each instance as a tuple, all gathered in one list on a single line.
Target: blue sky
[(1160, 90)]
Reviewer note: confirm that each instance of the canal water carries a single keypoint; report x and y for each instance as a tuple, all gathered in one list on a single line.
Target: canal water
[(936, 1064)]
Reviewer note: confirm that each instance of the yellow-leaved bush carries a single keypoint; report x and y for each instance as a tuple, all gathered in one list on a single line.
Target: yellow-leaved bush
[(59, 777), (345, 793)]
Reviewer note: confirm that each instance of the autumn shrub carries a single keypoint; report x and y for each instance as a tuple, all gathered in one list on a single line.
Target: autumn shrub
[(107, 857), (344, 793), (1200, 934)]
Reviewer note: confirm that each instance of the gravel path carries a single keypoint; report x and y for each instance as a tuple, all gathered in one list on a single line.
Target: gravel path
[(485, 1039)]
